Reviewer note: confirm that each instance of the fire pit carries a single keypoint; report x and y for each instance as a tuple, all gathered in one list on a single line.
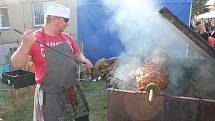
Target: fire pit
[(134, 106)]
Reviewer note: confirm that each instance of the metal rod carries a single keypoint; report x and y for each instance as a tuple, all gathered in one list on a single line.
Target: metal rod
[(118, 79), (151, 95), (16, 30), (72, 57), (195, 38)]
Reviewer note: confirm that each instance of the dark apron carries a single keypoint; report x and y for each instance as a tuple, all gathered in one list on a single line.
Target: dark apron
[(61, 78)]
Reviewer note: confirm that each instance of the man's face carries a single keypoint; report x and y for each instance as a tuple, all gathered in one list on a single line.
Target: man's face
[(63, 23), (60, 23)]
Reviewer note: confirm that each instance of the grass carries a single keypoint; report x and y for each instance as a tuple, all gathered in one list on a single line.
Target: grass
[(96, 95), (97, 98)]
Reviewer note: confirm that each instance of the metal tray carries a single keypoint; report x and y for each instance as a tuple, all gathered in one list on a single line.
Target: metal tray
[(18, 79)]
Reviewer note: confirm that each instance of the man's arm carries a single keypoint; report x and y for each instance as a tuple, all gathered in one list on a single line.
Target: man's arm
[(20, 57)]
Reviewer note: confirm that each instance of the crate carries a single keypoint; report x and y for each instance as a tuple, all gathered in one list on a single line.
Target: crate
[(18, 79)]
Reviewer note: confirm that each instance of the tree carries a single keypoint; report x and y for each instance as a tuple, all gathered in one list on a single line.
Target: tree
[(199, 7)]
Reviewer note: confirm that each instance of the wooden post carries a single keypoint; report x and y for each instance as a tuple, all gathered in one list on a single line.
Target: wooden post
[(15, 94), (17, 97), (28, 93)]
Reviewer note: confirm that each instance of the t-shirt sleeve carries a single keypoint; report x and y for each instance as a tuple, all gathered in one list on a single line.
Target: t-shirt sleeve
[(73, 43), (75, 47), (31, 49), (38, 36)]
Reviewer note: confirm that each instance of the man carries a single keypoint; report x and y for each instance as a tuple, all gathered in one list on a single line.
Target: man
[(55, 73)]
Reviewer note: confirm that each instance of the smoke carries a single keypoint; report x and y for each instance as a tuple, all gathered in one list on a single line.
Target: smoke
[(140, 29), (127, 65), (139, 25)]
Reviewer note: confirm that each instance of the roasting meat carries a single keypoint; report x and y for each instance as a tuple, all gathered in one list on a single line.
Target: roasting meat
[(153, 70)]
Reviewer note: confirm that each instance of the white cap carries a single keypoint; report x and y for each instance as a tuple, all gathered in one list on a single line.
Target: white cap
[(58, 10)]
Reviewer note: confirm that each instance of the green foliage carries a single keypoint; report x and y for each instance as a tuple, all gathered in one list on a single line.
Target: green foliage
[(199, 7)]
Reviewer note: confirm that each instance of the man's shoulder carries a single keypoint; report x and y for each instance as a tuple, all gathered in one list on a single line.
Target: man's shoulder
[(66, 36), (38, 34), (38, 31)]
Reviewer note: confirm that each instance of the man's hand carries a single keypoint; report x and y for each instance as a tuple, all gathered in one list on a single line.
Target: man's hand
[(87, 63), (84, 61), (28, 39), (20, 57)]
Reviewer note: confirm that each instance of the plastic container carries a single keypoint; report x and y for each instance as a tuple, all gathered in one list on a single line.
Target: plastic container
[(1, 71), (6, 68)]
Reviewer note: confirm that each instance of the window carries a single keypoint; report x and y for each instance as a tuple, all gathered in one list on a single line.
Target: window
[(4, 21), (38, 13), (39, 10)]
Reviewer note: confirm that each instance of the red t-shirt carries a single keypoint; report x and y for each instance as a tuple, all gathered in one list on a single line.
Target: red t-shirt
[(37, 51)]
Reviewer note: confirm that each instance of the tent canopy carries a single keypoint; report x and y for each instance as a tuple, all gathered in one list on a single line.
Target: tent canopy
[(210, 14)]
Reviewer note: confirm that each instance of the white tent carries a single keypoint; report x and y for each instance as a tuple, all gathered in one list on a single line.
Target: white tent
[(210, 14)]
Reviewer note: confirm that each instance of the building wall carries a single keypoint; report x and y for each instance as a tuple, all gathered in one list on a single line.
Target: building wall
[(21, 18)]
